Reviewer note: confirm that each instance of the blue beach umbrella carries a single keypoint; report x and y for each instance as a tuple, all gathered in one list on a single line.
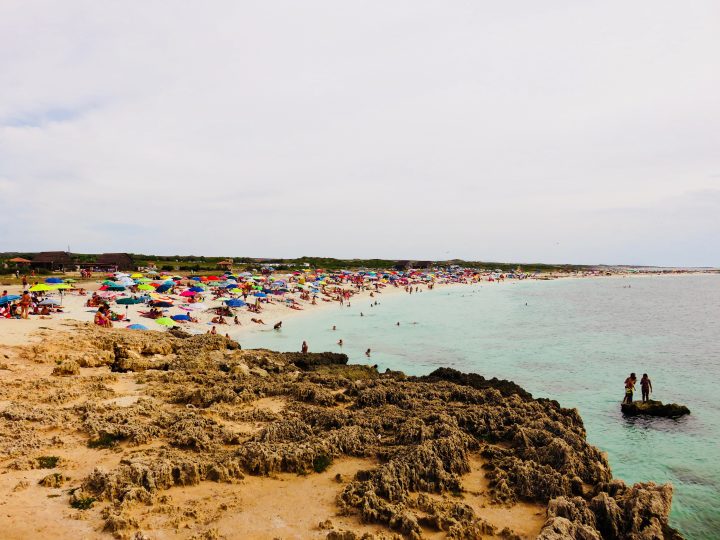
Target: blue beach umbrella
[(137, 327), (116, 287), (180, 317), (53, 280), (261, 295), (9, 298), (197, 289), (235, 302), (163, 288)]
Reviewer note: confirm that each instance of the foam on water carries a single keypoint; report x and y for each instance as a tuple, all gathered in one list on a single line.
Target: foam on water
[(574, 341)]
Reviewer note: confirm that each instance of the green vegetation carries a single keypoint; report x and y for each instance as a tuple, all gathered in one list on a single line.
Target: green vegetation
[(202, 264), (83, 503), (47, 462), (321, 463), (104, 440)]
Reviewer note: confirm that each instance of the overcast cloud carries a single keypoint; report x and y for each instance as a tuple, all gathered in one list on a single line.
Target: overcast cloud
[(558, 131)]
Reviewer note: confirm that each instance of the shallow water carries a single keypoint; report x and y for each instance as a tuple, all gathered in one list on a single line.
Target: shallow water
[(570, 340)]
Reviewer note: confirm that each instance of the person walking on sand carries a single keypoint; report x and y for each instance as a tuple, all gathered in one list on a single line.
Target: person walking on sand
[(304, 347), (645, 387), (629, 388)]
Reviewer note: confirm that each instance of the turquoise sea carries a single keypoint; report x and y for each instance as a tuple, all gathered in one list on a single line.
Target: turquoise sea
[(574, 340)]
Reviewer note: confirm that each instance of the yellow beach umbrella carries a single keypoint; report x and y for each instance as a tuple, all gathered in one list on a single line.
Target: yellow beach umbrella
[(40, 287)]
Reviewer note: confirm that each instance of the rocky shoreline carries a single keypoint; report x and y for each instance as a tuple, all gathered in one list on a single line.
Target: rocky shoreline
[(161, 412)]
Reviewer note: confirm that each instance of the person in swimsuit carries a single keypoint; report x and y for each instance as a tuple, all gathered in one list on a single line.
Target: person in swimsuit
[(645, 387), (629, 388), (25, 302)]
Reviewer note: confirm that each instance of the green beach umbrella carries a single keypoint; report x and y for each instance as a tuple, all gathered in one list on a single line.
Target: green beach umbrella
[(165, 321), (145, 287), (62, 286)]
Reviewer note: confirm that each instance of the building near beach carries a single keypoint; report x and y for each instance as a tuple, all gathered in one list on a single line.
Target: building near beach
[(53, 260)]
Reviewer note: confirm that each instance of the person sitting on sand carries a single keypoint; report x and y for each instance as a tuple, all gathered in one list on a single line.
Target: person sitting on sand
[(213, 331), (101, 319), (219, 319), (645, 387), (629, 388), (236, 320)]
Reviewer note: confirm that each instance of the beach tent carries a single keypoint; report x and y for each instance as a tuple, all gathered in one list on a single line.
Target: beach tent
[(9, 298), (137, 327)]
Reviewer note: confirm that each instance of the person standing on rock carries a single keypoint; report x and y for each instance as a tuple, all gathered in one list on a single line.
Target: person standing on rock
[(629, 388), (645, 387)]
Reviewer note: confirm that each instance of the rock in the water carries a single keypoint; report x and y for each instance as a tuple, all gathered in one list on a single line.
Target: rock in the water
[(654, 408)]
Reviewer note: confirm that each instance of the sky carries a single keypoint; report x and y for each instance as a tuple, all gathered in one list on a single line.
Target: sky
[(525, 131)]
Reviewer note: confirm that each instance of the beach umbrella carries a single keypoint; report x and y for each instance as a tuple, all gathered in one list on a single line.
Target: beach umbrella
[(260, 294), (49, 302), (9, 298), (40, 287), (165, 321), (53, 280), (145, 287), (70, 280), (236, 291), (196, 289), (62, 286), (128, 301), (188, 293), (164, 287), (136, 275), (137, 327), (160, 303), (235, 302), (180, 317), (116, 287)]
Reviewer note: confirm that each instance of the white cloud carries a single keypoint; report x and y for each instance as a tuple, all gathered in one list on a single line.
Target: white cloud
[(414, 129)]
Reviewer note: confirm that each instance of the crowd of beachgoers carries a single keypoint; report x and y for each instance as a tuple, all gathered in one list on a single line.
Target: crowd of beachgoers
[(152, 300), (211, 303)]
